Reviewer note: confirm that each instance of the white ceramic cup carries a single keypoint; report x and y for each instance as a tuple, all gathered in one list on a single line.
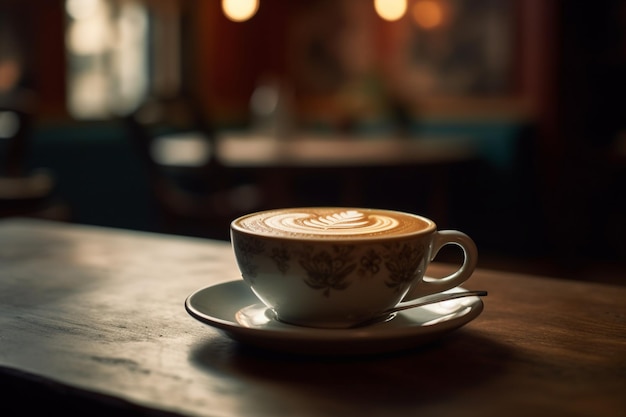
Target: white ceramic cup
[(333, 267)]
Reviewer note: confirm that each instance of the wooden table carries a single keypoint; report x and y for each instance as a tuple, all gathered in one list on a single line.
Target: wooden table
[(92, 323)]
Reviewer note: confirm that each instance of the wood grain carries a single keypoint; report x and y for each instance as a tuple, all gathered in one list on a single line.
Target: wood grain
[(92, 319)]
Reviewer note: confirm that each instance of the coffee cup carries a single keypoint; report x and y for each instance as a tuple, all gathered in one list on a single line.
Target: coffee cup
[(333, 267)]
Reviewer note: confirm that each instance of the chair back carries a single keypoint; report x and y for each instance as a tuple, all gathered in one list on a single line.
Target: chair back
[(15, 135), (177, 145), (22, 192)]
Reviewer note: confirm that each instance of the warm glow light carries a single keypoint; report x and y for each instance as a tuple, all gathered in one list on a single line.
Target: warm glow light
[(91, 36), (390, 9), (428, 14), (10, 72), (240, 10), (82, 9)]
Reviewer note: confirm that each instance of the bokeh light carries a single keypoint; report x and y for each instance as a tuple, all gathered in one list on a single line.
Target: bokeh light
[(82, 9), (428, 14), (390, 9), (240, 10)]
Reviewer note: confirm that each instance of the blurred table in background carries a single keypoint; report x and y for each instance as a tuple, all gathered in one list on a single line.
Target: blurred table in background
[(278, 163), (308, 150), (355, 167)]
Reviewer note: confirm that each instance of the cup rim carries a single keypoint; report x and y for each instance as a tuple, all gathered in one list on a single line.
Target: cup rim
[(430, 228)]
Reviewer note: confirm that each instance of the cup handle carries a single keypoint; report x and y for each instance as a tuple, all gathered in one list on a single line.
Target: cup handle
[(429, 285)]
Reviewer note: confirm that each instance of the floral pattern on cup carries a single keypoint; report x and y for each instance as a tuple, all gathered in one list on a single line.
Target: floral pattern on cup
[(281, 257), (370, 263), (248, 247), (404, 262), (327, 270)]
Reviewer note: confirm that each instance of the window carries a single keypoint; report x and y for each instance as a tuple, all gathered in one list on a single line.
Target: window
[(107, 43)]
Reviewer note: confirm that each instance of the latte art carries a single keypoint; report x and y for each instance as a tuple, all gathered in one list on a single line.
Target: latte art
[(346, 222), (331, 222)]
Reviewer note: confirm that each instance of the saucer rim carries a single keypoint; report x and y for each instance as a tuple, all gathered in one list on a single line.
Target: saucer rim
[(299, 339)]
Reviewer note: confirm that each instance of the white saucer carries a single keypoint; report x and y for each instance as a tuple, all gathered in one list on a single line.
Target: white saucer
[(232, 308)]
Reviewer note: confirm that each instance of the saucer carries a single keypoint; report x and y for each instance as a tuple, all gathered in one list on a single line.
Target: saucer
[(233, 308)]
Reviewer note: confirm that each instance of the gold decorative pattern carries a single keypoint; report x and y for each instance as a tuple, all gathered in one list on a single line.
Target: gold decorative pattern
[(404, 262), (370, 263), (328, 268), (281, 257), (248, 247)]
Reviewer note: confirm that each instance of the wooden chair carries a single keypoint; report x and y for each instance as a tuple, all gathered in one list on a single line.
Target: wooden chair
[(194, 194), (24, 192)]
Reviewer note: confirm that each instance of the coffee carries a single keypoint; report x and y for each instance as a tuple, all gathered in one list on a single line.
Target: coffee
[(333, 223)]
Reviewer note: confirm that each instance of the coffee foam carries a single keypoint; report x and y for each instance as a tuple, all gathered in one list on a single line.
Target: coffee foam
[(330, 222)]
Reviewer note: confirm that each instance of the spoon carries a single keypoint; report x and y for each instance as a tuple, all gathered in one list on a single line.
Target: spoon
[(385, 315), (429, 299)]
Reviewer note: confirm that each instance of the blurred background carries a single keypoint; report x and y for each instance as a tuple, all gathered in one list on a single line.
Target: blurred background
[(175, 116)]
